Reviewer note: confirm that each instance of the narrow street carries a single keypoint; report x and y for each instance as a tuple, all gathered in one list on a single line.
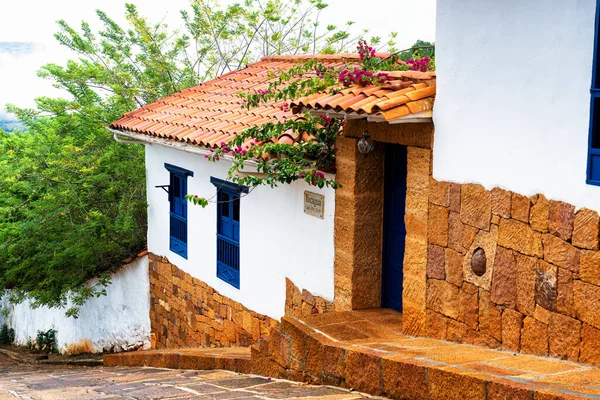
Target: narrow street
[(36, 382)]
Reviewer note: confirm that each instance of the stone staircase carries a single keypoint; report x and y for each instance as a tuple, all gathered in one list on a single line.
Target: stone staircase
[(366, 351)]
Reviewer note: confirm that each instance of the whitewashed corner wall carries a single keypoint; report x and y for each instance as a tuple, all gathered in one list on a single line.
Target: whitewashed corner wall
[(121, 318), (513, 96), (277, 239)]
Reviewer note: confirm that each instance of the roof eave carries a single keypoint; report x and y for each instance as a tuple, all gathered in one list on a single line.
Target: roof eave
[(172, 144)]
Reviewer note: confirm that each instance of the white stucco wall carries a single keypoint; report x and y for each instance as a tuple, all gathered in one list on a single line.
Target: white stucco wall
[(122, 317), (513, 94), (277, 239)]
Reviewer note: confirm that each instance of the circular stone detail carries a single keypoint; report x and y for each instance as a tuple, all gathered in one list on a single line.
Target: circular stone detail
[(478, 262)]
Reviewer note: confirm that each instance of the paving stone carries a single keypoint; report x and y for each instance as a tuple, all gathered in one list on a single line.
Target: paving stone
[(48, 383), (536, 365), (240, 383)]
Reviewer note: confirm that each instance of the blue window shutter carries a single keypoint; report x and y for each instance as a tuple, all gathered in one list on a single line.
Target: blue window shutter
[(228, 230), (593, 164), (178, 224)]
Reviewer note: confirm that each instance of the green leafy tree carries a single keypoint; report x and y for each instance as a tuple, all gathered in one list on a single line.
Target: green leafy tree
[(73, 199)]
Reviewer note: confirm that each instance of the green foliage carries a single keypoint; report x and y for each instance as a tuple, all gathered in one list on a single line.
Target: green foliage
[(419, 50), (275, 163), (7, 335), (46, 341), (73, 200)]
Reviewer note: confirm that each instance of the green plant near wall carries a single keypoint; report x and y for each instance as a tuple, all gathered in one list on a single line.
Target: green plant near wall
[(7, 335), (46, 341)]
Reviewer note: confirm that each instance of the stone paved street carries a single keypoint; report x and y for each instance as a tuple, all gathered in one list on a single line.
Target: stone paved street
[(60, 383)]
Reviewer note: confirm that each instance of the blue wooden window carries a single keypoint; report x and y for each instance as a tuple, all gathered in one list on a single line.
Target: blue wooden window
[(228, 230), (593, 166), (178, 225)]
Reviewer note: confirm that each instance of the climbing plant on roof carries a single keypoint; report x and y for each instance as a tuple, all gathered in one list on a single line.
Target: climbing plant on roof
[(310, 154)]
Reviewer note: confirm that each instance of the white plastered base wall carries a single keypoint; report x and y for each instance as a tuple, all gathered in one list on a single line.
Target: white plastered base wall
[(121, 318)]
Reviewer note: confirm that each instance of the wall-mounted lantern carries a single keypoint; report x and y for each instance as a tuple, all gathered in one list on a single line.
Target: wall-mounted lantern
[(365, 144)]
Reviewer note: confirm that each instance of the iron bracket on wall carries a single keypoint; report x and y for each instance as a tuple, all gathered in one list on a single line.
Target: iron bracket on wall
[(163, 187)]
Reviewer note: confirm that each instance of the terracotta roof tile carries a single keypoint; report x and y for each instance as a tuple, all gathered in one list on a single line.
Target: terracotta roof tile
[(212, 112), (398, 99), (353, 100)]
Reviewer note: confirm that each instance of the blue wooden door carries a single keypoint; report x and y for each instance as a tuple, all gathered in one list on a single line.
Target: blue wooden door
[(394, 230)]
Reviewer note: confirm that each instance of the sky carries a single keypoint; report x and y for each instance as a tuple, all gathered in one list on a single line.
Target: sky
[(35, 21)]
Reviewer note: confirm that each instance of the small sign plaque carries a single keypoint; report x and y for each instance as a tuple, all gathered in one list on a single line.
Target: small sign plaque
[(314, 204)]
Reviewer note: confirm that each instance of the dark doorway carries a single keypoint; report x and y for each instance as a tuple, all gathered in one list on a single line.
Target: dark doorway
[(394, 230)]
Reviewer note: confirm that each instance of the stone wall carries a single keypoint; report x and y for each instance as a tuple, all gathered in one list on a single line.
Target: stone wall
[(186, 312), (359, 219), (300, 303), (537, 286)]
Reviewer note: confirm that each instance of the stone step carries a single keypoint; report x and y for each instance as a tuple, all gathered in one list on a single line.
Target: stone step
[(382, 362), (236, 359)]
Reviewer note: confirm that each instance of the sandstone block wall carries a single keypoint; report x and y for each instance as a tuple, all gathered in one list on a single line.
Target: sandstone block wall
[(302, 303), (186, 312), (359, 219), (540, 293)]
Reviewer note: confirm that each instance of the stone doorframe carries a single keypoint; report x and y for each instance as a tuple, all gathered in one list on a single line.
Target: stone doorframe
[(358, 235)]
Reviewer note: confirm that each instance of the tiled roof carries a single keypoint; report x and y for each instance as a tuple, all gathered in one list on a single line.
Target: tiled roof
[(212, 113), (409, 94)]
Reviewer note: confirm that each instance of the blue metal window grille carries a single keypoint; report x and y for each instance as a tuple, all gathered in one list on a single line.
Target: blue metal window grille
[(178, 226), (593, 164), (228, 230)]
